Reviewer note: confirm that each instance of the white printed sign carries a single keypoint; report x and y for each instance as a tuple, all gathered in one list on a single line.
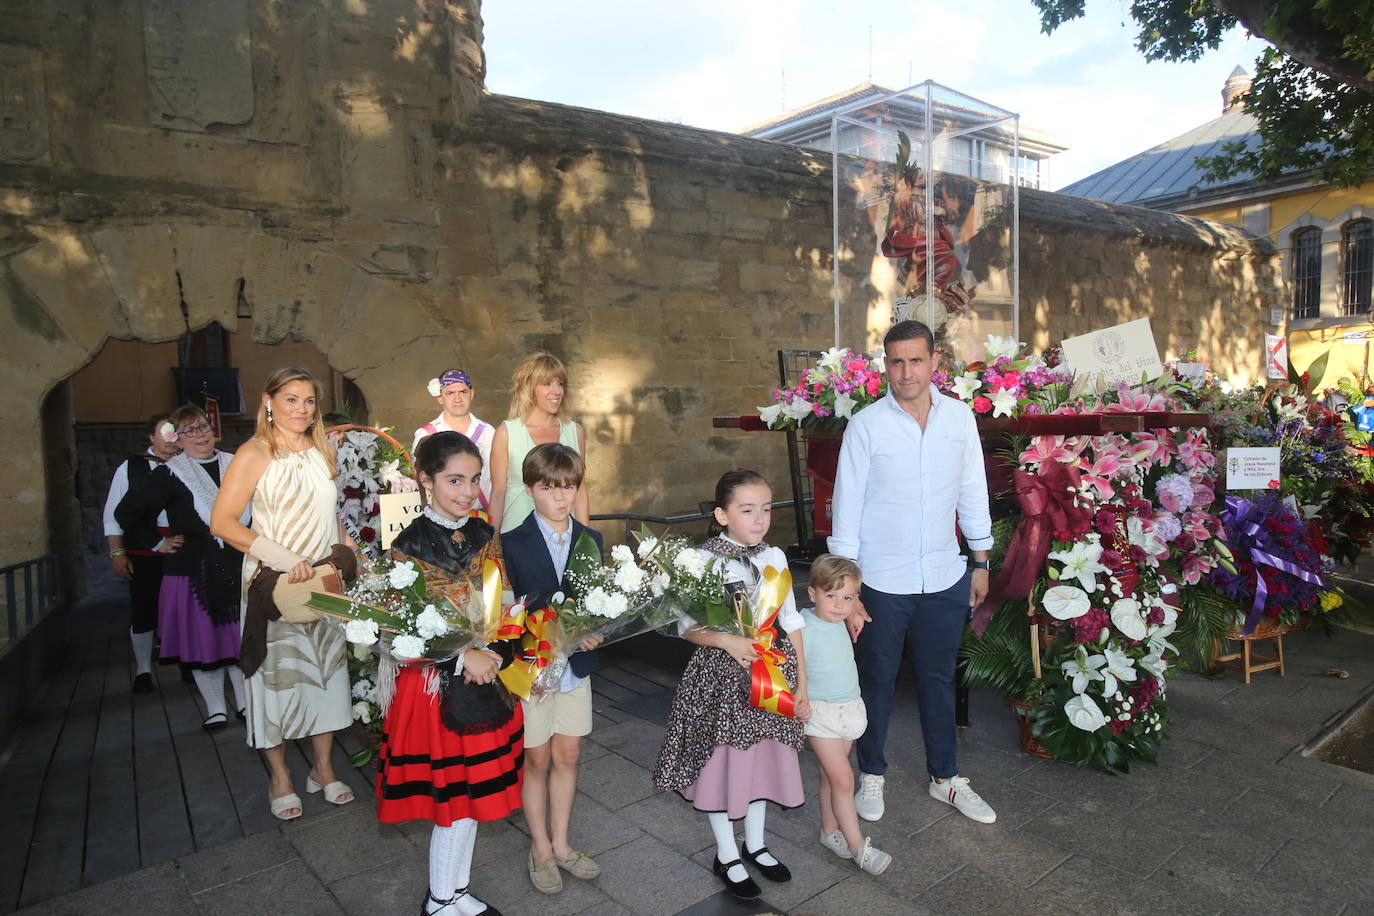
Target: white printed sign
[(398, 511), (1354, 338), (1117, 354), (1252, 468), (1276, 356)]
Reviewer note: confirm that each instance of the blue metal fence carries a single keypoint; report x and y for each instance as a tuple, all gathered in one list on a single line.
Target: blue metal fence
[(32, 589)]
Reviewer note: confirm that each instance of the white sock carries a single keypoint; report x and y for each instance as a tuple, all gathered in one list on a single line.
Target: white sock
[(211, 684), (143, 650), (236, 681), (753, 831), (727, 850), (450, 866)]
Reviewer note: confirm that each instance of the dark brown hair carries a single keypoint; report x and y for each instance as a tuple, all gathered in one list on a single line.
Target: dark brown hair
[(555, 464), (729, 482)]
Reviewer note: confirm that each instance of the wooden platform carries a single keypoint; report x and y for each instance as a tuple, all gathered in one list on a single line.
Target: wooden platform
[(100, 782)]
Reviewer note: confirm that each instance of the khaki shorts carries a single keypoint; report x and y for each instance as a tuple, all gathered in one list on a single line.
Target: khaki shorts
[(559, 714), (847, 721)]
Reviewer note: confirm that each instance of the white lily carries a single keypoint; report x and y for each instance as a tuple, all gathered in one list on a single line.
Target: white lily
[(769, 414), (1154, 663), (1003, 403), (797, 409), (1001, 346), (832, 360), (965, 385), (1119, 667), (1083, 669), (844, 405), (1083, 713), (1080, 562)]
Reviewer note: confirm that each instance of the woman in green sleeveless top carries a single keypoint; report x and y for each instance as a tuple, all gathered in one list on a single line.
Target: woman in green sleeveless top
[(538, 415)]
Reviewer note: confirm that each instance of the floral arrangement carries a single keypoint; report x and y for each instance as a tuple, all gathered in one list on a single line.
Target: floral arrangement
[(828, 394), (1131, 540), (370, 463), (1010, 383), (1279, 561)]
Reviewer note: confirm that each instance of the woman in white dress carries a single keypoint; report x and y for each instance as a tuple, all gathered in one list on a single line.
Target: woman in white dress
[(299, 688)]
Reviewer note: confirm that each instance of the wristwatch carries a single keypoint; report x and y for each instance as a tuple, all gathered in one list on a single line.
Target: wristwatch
[(979, 564)]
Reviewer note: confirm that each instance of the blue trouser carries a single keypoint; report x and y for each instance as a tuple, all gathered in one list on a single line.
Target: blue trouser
[(936, 624)]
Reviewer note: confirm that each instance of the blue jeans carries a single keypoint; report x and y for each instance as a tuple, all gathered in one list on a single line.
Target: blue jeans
[(935, 622)]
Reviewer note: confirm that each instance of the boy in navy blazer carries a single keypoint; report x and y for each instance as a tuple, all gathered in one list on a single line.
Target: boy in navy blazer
[(536, 554)]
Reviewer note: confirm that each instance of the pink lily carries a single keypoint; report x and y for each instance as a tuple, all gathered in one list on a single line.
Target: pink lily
[(1046, 448)]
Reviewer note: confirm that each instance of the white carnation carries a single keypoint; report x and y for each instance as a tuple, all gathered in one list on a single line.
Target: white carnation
[(691, 562), (620, 553), (406, 648), (431, 623), (404, 576), (647, 546), (595, 602), (362, 712), (629, 578), (361, 632), (616, 605), (659, 584)]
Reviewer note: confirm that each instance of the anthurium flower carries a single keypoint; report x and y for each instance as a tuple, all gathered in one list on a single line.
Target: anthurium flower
[(1080, 561), (1127, 618), (1066, 602), (1083, 669), (965, 385), (1084, 713), (1119, 667)]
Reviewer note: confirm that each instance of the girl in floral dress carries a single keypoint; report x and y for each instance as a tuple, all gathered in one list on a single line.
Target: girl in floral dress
[(728, 758), (452, 742)]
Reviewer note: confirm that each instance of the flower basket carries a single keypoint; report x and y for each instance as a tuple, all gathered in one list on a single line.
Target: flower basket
[(1025, 738)]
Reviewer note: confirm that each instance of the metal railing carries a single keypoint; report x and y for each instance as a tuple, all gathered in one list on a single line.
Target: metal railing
[(629, 518), (36, 586)]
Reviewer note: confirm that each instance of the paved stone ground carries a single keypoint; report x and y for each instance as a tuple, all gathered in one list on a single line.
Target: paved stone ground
[(1234, 819)]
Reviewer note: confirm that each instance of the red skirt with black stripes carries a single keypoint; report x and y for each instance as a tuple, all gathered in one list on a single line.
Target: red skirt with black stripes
[(429, 772)]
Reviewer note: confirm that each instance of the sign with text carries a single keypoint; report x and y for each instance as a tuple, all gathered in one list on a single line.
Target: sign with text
[(1117, 354), (1276, 356), (1252, 469), (398, 510)]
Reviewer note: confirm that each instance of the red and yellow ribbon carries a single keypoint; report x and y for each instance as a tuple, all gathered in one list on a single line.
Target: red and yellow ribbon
[(536, 653), (768, 688)]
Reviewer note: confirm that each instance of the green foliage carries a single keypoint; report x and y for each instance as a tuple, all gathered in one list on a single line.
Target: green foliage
[(1315, 113), (1204, 617), (1101, 749)]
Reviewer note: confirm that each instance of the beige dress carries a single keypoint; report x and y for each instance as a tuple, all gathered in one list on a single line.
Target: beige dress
[(301, 688)]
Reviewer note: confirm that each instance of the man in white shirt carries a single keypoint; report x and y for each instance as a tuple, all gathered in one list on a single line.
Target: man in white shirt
[(910, 464), (453, 390), (141, 564)]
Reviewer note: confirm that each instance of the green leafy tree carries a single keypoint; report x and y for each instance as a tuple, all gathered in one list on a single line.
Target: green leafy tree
[(1313, 91)]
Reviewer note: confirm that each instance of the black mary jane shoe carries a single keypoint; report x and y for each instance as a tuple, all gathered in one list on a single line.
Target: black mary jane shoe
[(445, 904), (778, 872), (748, 889), (214, 722), (143, 683)]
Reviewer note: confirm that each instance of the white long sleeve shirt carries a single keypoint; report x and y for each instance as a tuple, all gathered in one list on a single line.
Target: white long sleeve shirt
[(899, 489)]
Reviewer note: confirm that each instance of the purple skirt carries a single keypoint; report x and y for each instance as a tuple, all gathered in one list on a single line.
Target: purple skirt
[(186, 632), (733, 778)]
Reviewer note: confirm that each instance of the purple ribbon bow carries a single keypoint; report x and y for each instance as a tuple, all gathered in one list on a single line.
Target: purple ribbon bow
[(1245, 518)]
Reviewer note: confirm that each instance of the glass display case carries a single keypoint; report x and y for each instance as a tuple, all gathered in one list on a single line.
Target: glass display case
[(926, 206)]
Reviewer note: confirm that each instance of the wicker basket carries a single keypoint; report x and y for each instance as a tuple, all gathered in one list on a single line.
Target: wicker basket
[(380, 433), (1025, 738)]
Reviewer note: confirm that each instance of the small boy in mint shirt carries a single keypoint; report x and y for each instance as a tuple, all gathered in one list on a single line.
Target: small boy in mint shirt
[(837, 710)]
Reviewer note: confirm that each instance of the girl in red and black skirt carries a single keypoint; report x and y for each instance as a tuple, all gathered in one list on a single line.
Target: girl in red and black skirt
[(452, 743)]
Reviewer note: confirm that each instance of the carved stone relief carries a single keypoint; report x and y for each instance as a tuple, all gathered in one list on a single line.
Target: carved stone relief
[(200, 63), (23, 105)]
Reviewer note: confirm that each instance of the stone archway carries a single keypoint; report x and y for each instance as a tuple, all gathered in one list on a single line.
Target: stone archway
[(66, 292)]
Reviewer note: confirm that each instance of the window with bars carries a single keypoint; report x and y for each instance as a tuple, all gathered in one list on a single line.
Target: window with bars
[(1357, 260), (1307, 273)]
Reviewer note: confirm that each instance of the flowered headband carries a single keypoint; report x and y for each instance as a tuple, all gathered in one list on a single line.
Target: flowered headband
[(168, 432), (450, 377)]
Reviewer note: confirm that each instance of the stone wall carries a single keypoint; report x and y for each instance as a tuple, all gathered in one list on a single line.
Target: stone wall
[(333, 167)]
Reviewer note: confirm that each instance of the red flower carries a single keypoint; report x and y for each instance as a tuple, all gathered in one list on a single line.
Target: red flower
[(367, 534), (982, 404)]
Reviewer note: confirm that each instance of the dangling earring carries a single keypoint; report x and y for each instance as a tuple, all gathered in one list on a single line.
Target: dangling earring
[(269, 413)]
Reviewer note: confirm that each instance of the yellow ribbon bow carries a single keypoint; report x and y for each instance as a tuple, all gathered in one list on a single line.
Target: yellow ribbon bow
[(768, 688)]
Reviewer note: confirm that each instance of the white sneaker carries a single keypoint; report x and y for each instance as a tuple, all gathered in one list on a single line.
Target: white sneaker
[(836, 843), (869, 799), (955, 791), (874, 861)]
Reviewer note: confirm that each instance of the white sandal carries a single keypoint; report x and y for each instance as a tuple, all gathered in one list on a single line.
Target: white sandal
[(284, 803), (332, 792)]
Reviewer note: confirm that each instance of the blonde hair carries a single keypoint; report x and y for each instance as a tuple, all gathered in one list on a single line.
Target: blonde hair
[(267, 432), (828, 571), (535, 370)]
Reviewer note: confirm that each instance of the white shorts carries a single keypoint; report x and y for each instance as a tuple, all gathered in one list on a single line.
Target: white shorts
[(846, 721), (559, 714)]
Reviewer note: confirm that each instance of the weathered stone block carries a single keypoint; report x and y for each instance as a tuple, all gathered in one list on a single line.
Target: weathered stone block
[(141, 267)]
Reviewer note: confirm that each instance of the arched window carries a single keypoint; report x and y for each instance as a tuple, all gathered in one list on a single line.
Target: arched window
[(1357, 260), (1307, 273)]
